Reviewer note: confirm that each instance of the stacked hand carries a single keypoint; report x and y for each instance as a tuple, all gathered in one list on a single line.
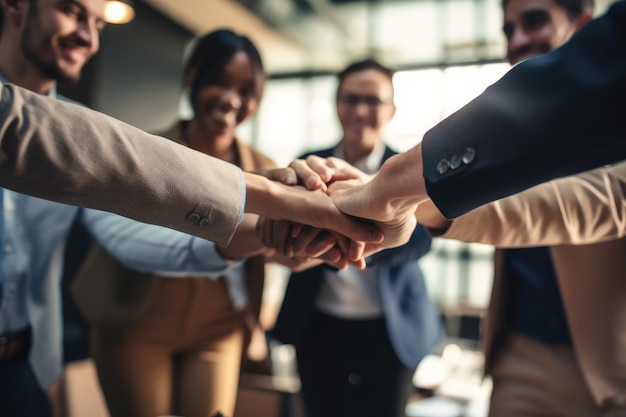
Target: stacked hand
[(355, 194)]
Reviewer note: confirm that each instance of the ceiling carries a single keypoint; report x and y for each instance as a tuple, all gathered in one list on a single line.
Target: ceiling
[(324, 35)]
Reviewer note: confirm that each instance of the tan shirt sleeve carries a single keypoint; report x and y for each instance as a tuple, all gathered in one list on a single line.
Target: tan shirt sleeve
[(581, 209), (67, 153)]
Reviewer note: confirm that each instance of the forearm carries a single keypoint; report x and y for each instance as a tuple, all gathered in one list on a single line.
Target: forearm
[(583, 209), (154, 249), (294, 203), (428, 215), (261, 194), (67, 153), (399, 185), (550, 116), (245, 242)]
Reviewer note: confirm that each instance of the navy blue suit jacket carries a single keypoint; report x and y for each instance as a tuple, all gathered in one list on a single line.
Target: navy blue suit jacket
[(549, 116), (412, 320)]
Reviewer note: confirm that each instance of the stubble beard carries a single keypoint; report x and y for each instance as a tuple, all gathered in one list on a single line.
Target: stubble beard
[(49, 69)]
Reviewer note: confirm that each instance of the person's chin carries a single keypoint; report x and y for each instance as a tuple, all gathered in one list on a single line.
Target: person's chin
[(356, 135), (66, 73), (70, 70), (218, 129), (70, 77)]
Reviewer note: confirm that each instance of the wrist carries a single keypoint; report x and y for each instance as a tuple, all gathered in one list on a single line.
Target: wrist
[(394, 188), (260, 194)]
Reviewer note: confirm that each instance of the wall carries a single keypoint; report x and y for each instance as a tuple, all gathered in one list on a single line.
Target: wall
[(137, 73)]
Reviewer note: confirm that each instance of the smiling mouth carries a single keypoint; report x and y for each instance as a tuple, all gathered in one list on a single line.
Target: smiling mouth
[(75, 55)]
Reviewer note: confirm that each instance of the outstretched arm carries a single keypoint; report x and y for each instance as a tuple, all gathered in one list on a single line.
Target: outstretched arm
[(548, 117), (583, 209), (67, 153)]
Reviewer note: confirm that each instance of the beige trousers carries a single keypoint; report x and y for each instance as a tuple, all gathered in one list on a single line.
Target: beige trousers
[(181, 358), (533, 379)]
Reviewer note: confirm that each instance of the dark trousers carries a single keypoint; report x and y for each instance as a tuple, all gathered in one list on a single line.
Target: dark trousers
[(20, 393), (348, 368)]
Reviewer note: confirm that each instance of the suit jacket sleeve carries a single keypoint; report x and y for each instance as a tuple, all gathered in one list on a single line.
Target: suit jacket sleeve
[(64, 152), (548, 117), (583, 209)]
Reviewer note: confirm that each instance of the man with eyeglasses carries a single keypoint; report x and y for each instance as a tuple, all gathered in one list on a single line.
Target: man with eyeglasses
[(359, 334)]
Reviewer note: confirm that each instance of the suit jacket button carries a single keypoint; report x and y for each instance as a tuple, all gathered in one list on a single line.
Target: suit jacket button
[(455, 162), (193, 218), (468, 156), (443, 166), (205, 221)]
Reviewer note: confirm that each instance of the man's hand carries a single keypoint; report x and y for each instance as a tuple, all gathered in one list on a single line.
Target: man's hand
[(360, 200), (362, 195), (245, 242), (316, 172), (301, 247), (276, 201), (309, 242)]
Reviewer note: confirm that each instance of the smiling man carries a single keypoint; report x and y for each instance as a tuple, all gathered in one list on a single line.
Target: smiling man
[(358, 335), (41, 42), (78, 156), (535, 27), (47, 41)]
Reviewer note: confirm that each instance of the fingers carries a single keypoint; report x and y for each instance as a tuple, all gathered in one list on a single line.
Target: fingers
[(310, 243), (285, 176), (281, 237), (319, 244), (275, 234), (355, 251), (357, 230), (312, 172), (342, 170), (338, 187)]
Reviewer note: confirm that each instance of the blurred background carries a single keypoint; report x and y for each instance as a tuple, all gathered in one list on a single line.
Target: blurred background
[(446, 52)]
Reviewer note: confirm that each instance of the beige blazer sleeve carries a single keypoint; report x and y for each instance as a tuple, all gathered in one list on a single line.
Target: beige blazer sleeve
[(582, 209), (67, 153)]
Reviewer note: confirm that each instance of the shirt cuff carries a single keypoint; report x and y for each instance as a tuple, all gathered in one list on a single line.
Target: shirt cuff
[(209, 259)]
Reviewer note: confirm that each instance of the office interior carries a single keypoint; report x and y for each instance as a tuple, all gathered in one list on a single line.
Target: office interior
[(445, 53)]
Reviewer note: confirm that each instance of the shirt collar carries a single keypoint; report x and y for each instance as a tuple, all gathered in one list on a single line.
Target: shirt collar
[(52, 93), (369, 164)]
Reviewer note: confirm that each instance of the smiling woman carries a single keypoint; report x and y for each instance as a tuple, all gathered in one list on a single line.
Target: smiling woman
[(178, 347)]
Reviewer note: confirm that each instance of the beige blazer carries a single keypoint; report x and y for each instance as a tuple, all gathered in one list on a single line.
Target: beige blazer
[(570, 215), (108, 293), (67, 153)]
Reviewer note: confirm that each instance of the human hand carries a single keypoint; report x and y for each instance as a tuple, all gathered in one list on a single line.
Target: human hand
[(245, 242), (298, 243), (347, 184), (362, 200), (300, 247), (316, 172), (305, 242), (285, 176), (277, 201)]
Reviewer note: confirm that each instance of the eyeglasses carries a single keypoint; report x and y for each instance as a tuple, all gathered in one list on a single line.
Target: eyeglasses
[(353, 100)]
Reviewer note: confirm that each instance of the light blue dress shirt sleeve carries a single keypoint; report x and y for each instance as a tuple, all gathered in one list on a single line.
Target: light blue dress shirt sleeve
[(155, 249)]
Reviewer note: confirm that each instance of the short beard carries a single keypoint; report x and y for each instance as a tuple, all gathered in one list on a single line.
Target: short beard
[(49, 69)]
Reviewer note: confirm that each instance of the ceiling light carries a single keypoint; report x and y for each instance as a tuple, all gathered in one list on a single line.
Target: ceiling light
[(118, 11)]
